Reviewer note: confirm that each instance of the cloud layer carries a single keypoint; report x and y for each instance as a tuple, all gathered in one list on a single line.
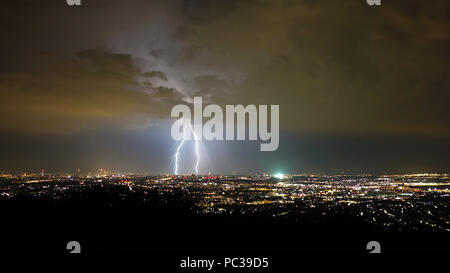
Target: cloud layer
[(332, 66)]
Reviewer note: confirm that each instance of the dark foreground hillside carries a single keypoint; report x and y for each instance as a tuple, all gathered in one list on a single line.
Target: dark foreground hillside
[(117, 222)]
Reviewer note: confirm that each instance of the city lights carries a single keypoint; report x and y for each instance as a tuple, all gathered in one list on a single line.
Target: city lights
[(278, 176)]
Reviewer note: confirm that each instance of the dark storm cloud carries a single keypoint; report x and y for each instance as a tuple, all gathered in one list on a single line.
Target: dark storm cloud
[(155, 74), (80, 92), (333, 66), (59, 73)]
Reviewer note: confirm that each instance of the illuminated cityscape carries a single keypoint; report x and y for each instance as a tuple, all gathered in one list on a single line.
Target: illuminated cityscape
[(416, 202)]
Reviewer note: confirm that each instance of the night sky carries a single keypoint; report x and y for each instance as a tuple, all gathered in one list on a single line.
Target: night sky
[(360, 88)]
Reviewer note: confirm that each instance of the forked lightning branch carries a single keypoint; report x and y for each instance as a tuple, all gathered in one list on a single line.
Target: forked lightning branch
[(232, 127)]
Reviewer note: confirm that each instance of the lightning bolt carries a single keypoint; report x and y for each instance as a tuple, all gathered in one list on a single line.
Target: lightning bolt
[(176, 155), (196, 148), (180, 145)]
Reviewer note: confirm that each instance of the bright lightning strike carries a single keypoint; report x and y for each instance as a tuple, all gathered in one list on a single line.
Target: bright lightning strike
[(176, 155), (197, 153), (196, 149)]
